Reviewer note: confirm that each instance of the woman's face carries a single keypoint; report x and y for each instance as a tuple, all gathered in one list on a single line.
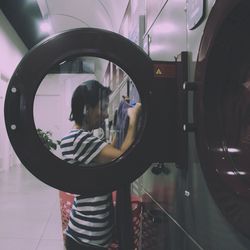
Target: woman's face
[(97, 114)]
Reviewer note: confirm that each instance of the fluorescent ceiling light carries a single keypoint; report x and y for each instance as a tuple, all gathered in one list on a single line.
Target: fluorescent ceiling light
[(45, 27)]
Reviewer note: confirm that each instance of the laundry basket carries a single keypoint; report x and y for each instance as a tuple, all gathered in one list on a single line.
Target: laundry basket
[(66, 202)]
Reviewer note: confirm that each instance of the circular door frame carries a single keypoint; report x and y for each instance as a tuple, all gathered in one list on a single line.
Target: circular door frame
[(20, 121), (231, 192)]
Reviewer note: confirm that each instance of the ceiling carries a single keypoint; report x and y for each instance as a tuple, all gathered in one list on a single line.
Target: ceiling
[(106, 14), (34, 20)]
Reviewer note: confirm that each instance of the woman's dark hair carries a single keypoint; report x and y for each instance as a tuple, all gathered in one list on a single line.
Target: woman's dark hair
[(89, 93)]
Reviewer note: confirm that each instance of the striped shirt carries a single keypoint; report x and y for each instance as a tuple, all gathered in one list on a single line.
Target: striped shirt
[(91, 219)]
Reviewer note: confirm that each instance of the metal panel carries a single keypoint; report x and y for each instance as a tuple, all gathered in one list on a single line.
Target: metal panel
[(168, 33)]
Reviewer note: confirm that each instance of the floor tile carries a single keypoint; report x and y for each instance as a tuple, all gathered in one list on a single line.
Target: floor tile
[(50, 245), (29, 212), (19, 244)]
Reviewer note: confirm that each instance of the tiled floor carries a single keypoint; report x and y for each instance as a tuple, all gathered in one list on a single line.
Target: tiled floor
[(29, 213)]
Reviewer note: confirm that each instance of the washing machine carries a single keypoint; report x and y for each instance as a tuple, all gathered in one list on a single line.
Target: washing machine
[(197, 197)]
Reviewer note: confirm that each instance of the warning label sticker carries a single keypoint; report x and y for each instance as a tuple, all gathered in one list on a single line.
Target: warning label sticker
[(165, 70)]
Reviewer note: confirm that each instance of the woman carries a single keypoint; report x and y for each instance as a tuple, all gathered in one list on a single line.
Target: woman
[(91, 219)]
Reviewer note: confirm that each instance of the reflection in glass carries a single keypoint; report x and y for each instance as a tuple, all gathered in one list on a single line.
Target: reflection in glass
[(52, 105), (236, 120)]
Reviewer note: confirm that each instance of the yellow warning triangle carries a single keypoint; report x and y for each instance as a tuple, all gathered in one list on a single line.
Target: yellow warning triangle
[(158, 72)]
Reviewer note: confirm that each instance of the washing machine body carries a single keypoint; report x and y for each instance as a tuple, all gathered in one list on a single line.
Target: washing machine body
[(203, 204), (195, 191)]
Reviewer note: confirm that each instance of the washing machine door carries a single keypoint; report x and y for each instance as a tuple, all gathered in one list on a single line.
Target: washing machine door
[(222, 109), (25, 116)]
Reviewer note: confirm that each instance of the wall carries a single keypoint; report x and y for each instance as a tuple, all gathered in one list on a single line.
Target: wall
[(12, 50)]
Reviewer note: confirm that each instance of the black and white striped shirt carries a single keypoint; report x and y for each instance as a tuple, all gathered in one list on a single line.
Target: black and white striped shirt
[(91, 219)]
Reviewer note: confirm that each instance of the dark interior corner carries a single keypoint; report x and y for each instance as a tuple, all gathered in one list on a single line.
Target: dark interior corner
[(24, 16)]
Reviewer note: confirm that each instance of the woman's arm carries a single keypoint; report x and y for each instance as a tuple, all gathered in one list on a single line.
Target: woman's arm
[(109, 152)]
